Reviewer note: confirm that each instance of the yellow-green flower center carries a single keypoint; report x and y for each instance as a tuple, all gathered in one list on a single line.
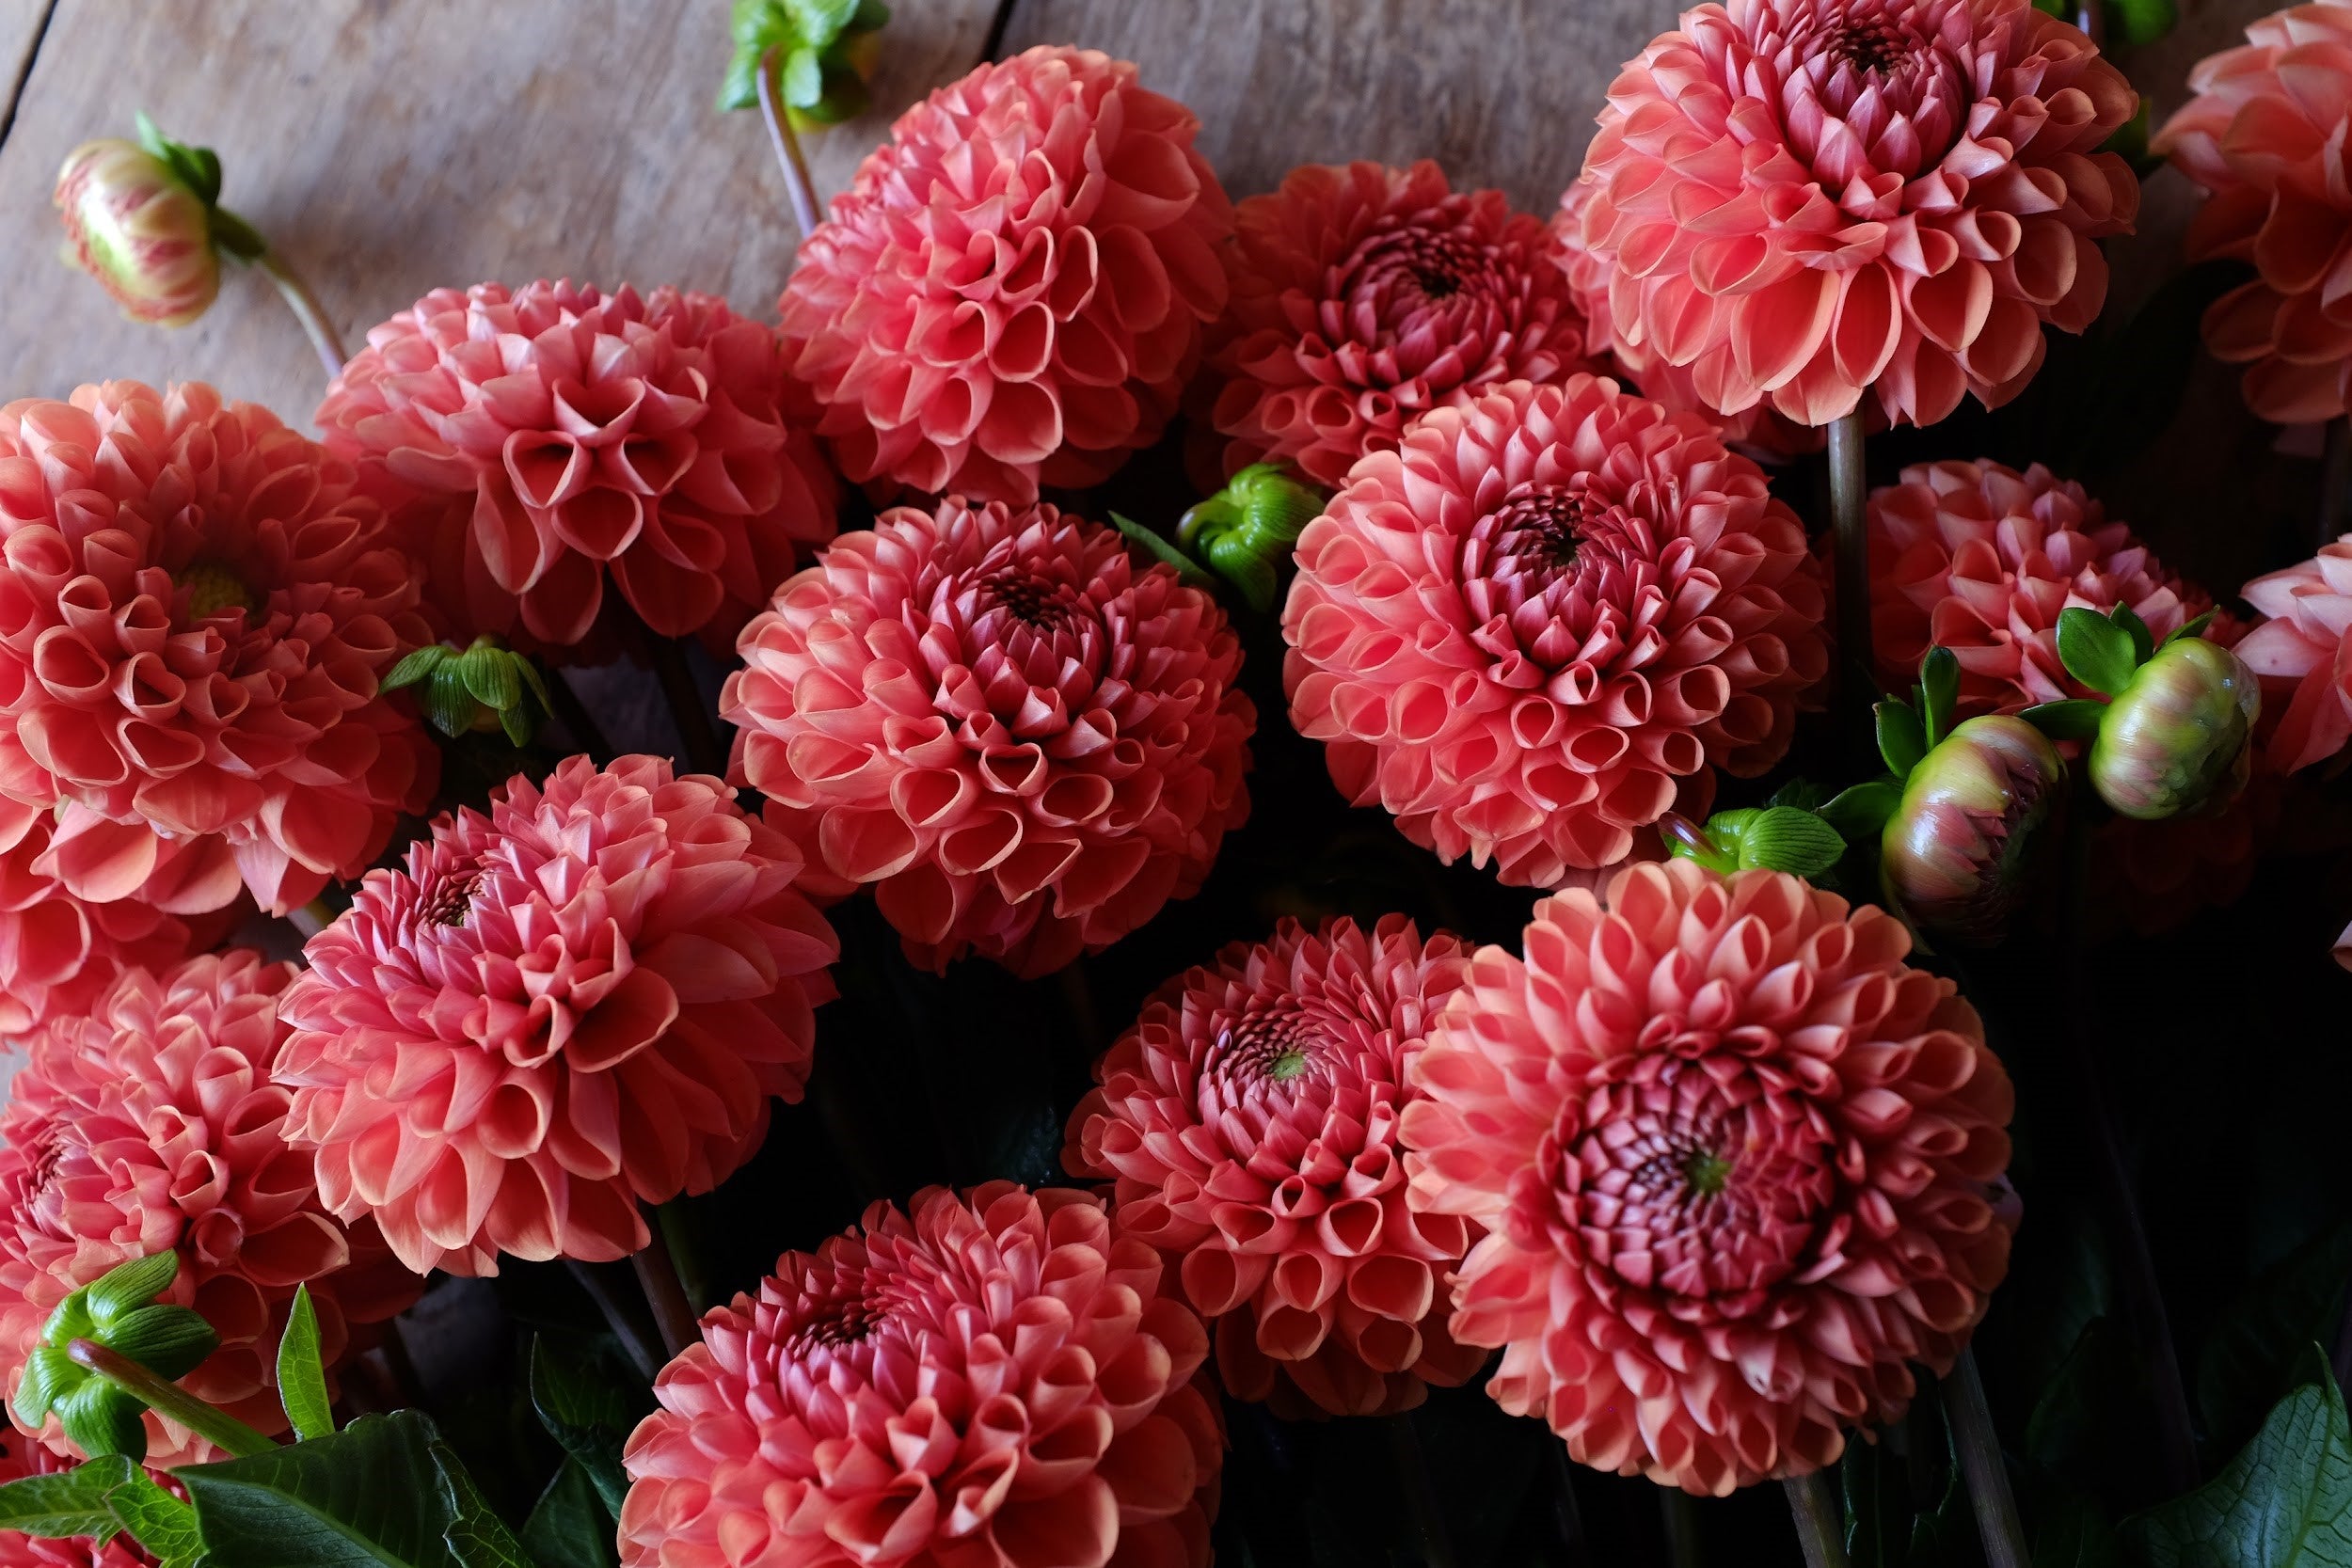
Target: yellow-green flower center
[(213, 589)]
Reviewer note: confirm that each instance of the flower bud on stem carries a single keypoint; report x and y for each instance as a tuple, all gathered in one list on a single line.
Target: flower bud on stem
[(168, 1399)]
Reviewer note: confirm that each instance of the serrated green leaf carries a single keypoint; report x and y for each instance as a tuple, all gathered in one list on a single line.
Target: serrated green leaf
[(2095, 650), (2285, 1502), (570, 1527), (2069, 719), (301, 1374), (1165, 551), (367, 1496), (1784, 838), (100, 1418), (1939, 693), (170, 1342), (65, 1504), (2192, 628), (415, 665), (475, 1536), (2252, 1349), (1858, 814), (129, 1286), (588, 1413), (158, 1521), (2143, 641), (1901, 740)]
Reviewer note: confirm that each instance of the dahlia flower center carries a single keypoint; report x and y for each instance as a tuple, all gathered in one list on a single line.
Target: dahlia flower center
[(1396, 274), (1035, 644), (1275, 1053), (452, 899), (1871, 94), (1543, 574), (1873, 43), (1700, 1176), (213, 588)]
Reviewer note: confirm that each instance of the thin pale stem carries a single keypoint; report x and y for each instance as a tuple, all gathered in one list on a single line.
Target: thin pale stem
[(656, 1275), (168, 1399), (797, 183), (1421, 1495), (616, 1318), (1981, 1462), (305, 305), (1820, 1523), (1849, 495), (1568, 1517)]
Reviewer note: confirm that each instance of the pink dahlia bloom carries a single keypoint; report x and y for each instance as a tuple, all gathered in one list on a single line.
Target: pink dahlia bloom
[(578, 1003), (1028, 743), (150, 1123), (1247, 1123), (528, 442), (20, 1459), (1364, 295), (2303, 655), (1803, 200), (1543, 622), (195, 608), (2265, 135), (986, 1380), (1982, 558), (1760, 430), (1738, 1165), (1012, 290)]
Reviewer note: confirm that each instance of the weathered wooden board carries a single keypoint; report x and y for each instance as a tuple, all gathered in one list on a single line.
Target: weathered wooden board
[(20, 30), (392, 146)]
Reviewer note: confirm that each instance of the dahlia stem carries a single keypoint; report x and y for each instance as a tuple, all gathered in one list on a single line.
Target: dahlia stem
[(2335, 480), (656, 1275), (1420, 1497), (304, 305), (1982, 1464), (1681, 1512), (1820, 1522), (586, 732), (797, 183), (310, 918), (616, 1318), (168, 1399), (1576, 1551), (1849, 493)]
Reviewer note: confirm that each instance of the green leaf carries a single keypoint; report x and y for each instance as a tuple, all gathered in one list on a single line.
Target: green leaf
[(414, 666), (2251, 1352), (100, 1418), (2070, 719), (156, 1519), (301, 1375), (2195, 628), (1901, 740), (170, 1342), (447, 703), (1801, 793), (590, 1414), (1162, 551), (2143, 641), (2142, 21), (1784, 838), (131, 1285), (803, 79), (1939, 692), (489, 672), (66, 1504), (49, 1372), (1859, 813), (570, 1528), (2285, 1502), (2095, 650), (367, 1496), (476, 1536)]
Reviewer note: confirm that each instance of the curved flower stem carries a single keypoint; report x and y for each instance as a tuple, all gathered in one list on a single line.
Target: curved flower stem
[(1849, 495), (616, 1318), (670, 1223), (214, 1425), (796, 178), (1820, 1522), (656, 1275), (1986, 1471), (1420, 1497), (304, 305), (1681, 1511)]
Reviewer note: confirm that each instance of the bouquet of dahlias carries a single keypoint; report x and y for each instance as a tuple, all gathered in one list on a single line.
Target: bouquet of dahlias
[(669, 945)]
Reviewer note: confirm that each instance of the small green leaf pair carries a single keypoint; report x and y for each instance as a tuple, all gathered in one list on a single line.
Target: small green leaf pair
[(477, 690), (119, 1311), (823, 52)]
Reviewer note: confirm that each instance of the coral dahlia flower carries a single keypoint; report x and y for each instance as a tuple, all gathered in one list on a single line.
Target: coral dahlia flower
[(990, 1378), (1247, 1123), (578, 1003), (529, 442), (1982, 558), (195, 608), (20, 1459), (2264, 134), (1012, 290), (1541, 623), (150, 1123), (1806, 200), (1738, 1163), (1364, 295), (2303, 655), (1027, 741)]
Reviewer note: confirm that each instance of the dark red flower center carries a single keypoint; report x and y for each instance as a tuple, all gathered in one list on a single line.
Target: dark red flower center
[(1549, 576), (1873, 43), (451, 897), (1034, 642), (1413, 288)]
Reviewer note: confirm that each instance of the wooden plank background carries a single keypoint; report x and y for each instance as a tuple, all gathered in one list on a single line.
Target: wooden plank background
[(392, 146)]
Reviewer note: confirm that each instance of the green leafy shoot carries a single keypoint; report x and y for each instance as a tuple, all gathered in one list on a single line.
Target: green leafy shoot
[(301, 1375), (1938, 694), (480, 688), (2097, 651), (822, 50), (2069, 719), (1903, 738)]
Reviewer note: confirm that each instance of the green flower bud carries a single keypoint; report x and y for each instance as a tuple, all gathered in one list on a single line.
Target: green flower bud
[(1245, 533), (118, 1310), (486, 687), (2175, 738), (1965, 846)]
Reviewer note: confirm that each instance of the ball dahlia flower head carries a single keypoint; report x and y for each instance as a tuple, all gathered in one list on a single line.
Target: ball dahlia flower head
[(1027, 742), (1545, 621), (2265, 136), (582, 1000), (534, 444), (196, 608), (1805, 201), (149, 1124), (985, 1380), (1012, 290), (1249, 1126), (1363, 296), (1739, 1164)]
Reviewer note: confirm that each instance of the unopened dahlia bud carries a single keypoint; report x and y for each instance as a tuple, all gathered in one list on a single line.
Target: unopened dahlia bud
[(2175, 738), (1246, 531), (1964, 848), (133, 224)]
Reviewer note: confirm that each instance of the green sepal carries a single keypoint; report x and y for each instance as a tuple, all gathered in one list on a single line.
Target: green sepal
[(100, 1418), (197, 167), (2096, 651), (1164, 551), (170, 1342), (49, 1372), (416, 665), (2195, 628), (1860, 814), (1783, 838), (488, 672), (445, 702), (127, 1287), (2071, 718), (2143, 639), (809, 42), (1902, 740), (1939, 693)]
